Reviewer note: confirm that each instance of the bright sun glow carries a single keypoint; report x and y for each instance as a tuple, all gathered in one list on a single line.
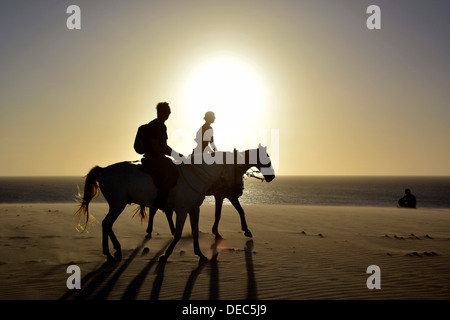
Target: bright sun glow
[(234, 90)]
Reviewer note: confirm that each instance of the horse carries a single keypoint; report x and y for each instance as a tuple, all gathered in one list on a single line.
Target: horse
[(220, 192), (125, 183)]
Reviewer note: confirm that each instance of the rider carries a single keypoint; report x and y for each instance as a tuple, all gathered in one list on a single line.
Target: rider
[(205, 136), (162, 168)]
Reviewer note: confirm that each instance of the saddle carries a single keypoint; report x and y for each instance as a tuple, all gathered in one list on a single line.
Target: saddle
[(145, 169)]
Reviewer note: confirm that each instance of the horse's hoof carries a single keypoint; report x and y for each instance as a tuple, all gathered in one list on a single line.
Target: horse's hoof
[(118, 256), (110, 259), (203, 258), (148, 236), (163, 259), (214, 257), (247, 233), (219, 237)]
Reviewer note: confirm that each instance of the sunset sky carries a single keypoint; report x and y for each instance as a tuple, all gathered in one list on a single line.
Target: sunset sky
[(305, 77)]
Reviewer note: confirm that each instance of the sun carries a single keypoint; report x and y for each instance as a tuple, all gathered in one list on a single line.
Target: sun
[(231, 86)]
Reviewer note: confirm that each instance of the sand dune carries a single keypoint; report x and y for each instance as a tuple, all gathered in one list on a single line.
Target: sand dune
[(297, 252)]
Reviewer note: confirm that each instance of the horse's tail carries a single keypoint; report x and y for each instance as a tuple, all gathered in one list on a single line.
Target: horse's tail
[(91, 191), (142, 210)]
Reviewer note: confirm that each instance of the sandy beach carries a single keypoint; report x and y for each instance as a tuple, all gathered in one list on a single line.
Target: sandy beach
[(296, 253)]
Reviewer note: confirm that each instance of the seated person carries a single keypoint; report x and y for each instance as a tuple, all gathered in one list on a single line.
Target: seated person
[(408, 201), (205, 137), (155, 161)]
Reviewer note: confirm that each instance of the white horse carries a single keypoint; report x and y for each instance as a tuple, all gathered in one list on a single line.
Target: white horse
[(124, 183), (220, 191)]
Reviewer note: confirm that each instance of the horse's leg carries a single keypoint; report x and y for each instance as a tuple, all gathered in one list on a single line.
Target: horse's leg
[(194, 217), (116, 244), (105, 241), (181, 219), (235, 202), (169, 214), (219, 202), (150, 222), (107, 231)]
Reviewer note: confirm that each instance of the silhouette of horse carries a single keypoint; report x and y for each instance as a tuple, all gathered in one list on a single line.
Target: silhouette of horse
[(220, 191), (124, 183)]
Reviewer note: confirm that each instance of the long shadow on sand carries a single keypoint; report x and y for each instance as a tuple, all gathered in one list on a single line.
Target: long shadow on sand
[(107, 275), (191, 280), (157, 283), (252, 293), (99, 277), (134, 286), (104, 292)]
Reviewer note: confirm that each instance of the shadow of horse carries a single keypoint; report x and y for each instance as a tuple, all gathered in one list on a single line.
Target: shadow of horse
[(214, 286), (98, 284)]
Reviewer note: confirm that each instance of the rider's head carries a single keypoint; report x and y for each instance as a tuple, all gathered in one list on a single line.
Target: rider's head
[(209, 117), (163, 110), (407, 191)]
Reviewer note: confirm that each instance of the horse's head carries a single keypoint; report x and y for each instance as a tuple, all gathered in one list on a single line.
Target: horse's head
[(238, 163), (260, 159), (264, 164)]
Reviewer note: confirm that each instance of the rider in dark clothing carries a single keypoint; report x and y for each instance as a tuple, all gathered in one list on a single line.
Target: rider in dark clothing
[(162, 168)]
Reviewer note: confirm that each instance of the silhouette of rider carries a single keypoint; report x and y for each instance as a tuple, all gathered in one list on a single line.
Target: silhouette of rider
[(205, 136), (408, 201), (162, 169)]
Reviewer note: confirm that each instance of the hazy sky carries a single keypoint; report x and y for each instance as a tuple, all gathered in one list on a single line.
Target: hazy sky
[(308, 78)]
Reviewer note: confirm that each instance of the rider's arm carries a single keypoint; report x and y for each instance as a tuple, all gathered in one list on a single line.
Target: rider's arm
[(209, 136), (213, 145), (163, 148)]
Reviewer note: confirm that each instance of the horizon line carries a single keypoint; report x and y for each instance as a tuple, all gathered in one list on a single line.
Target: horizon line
[(278, 175)]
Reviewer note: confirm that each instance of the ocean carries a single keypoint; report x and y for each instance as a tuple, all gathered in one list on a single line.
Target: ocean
[(430, 192)]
